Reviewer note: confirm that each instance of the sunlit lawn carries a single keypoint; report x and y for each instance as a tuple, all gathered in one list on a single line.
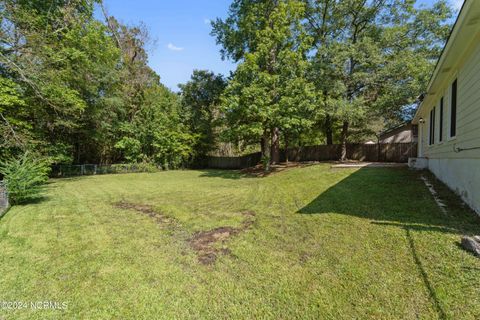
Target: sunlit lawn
[(308, 243)]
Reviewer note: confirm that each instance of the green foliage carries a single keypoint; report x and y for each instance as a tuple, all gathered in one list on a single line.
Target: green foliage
[(24, 177), (155, 133), (367, 61), (132, 167), (269, 89), (80, 91), (200, 108), (9, 95), (13, 125), (372, 59), (131, 148)]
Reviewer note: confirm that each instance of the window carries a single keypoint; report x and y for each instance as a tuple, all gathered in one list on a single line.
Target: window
[(432, 126), (453, 110), (430, 133), (440, 134)]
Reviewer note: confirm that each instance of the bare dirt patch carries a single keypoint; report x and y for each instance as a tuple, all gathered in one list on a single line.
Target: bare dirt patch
[(145, 209), (205, 243)]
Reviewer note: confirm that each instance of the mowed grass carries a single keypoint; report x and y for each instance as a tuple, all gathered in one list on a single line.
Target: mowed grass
[(325, 244)]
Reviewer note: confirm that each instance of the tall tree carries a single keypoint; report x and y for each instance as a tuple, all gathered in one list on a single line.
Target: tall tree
[(79, 90), (62, 60), (201, 101), (372, 57), (149, 127), (268, 92), (155, 133)]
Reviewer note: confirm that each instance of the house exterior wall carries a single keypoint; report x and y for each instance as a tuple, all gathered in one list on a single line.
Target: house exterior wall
[(460, 170), (462, 176)]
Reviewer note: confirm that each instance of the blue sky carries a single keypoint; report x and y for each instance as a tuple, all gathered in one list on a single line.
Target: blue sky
[(181, 29)]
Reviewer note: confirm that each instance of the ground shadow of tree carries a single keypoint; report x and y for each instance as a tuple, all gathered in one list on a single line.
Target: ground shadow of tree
[(398, 198), (395, 195), (225, 174), (30, 201), (256, 171)]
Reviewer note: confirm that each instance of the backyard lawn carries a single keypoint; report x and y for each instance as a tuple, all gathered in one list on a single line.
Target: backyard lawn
[(306, 243)]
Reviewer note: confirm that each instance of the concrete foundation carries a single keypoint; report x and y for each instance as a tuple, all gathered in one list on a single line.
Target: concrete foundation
[(418, 163), (460, 175)]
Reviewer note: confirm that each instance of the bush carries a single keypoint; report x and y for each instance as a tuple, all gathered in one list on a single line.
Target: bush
[(24, 177), (134, 167)]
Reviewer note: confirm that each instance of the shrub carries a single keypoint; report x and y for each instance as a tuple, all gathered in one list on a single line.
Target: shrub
[(24, 177), (134, 167)]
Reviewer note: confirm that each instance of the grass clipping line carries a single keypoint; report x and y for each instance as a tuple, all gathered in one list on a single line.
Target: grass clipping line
[(204, 243)]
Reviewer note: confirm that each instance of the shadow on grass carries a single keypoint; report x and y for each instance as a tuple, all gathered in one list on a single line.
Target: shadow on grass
[(426, 281), (421, 270), (3, 213), (398, 198), (52, 180), (255, 171), (225, 174), (35, 200)]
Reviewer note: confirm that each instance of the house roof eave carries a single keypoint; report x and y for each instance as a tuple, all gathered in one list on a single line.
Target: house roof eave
[(443, 56)]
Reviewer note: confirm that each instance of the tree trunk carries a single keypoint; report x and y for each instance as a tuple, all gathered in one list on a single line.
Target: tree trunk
[(78, 152), (275, 146), (286, 148), (329, 130), (343, 157), (262, 145), (266, 151)]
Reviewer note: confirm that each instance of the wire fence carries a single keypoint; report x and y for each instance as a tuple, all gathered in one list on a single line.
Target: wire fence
[(3, 198), (63, 171)]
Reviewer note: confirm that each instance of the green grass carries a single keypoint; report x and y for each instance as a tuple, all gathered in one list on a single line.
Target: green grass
[(325, 244)]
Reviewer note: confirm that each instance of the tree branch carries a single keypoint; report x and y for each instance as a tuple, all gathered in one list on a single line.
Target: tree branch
[(29, 82), (15, 137), (109, 25)]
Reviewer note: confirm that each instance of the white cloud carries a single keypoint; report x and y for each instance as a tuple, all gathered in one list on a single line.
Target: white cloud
[(172, 47), (457, 4), (207, 21)]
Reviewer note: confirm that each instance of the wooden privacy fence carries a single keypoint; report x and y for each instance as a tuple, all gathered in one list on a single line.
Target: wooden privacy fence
[(234, 162), (382, 152), (388, 152)]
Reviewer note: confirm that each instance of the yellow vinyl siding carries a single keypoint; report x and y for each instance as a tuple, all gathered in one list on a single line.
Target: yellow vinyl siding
[(468, 112)]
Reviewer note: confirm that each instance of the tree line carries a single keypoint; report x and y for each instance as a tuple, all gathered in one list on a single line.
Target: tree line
[(76, 89), (79, 90)]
